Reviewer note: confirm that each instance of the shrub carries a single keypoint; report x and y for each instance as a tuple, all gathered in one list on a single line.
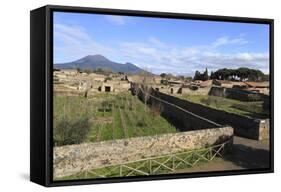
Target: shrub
[(71, 131), (212, 101), (254, 97), (71, 120), (206, 101), (105, 106), (141, 120), (107, 79), (250, 107), (140, 123), (155, 110)]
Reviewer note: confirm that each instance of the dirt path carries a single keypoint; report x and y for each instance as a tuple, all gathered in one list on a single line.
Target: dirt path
[(246, 154)]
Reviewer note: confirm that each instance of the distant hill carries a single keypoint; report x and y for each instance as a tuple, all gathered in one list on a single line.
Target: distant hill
[(98, 61)]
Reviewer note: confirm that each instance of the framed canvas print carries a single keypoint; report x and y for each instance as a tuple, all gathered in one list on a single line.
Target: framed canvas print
[(122, 95)]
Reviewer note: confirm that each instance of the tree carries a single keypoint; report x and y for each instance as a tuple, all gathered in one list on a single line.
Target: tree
[(163, 75), (107, 79), (71, 121), (88, 71), (212, 76), (99, 70), (197, 76), (79, 70), (205, 75), (181, 77), (188, 79), (145, 87), (242, 73)]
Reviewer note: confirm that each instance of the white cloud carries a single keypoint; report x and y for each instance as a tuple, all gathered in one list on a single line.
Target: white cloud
[(156, 42), (73, 42), (114, 19), (245, 59), (228, 41), (74, 31), (185, 60)]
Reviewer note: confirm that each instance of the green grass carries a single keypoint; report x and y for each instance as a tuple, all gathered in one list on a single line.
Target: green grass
[(112, 116), (143, 165), (72, 120), (249, 109)]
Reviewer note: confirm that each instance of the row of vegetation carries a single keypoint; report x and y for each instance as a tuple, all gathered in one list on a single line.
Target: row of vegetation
[(240, 74), (105, 117)]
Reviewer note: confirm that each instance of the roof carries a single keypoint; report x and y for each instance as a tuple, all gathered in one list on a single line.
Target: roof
[(206, 83), (264, 84), (223, 81), (69, 70), (175, 82), (96, 75), (237, 83)]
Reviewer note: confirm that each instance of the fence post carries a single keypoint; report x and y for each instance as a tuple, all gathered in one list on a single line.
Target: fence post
[(173, 159), (120, 171), (150, 167)]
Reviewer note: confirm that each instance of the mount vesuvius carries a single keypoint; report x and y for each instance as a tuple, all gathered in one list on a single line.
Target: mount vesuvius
[(98, 61)]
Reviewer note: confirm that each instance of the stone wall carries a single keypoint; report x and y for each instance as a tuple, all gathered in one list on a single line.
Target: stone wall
[(243, 126), (72, 159), (238, 94), (180, 117), (264, 129), (199, 91)]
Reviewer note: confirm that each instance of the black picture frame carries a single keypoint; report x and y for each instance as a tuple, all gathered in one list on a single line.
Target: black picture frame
[(41, 91)]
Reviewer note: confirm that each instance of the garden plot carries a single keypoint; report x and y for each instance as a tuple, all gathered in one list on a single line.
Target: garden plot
[(105, 117)]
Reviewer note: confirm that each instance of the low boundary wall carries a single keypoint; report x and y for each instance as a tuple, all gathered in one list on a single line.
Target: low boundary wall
[(238, 94), (72, 159)]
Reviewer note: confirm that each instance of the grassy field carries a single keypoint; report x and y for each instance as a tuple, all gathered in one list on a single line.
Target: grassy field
[(250, 109), (106, 117)]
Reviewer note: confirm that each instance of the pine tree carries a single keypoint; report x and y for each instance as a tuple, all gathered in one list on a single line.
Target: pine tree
[(205, 75)]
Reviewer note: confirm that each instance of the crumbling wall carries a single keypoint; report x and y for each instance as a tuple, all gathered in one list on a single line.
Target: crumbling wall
[(238, 94), (73, 159), (199, 91)]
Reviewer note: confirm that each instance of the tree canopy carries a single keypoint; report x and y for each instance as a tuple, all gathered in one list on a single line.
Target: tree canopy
[(201, 76), (241, 74)]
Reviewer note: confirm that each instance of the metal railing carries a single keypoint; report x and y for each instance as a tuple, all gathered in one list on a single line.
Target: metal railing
[(159, 164)]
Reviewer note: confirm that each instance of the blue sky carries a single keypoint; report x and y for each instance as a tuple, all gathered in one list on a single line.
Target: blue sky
[(161, 45)]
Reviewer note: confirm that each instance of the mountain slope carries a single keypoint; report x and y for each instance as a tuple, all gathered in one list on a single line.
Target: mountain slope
[(99, 61)]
